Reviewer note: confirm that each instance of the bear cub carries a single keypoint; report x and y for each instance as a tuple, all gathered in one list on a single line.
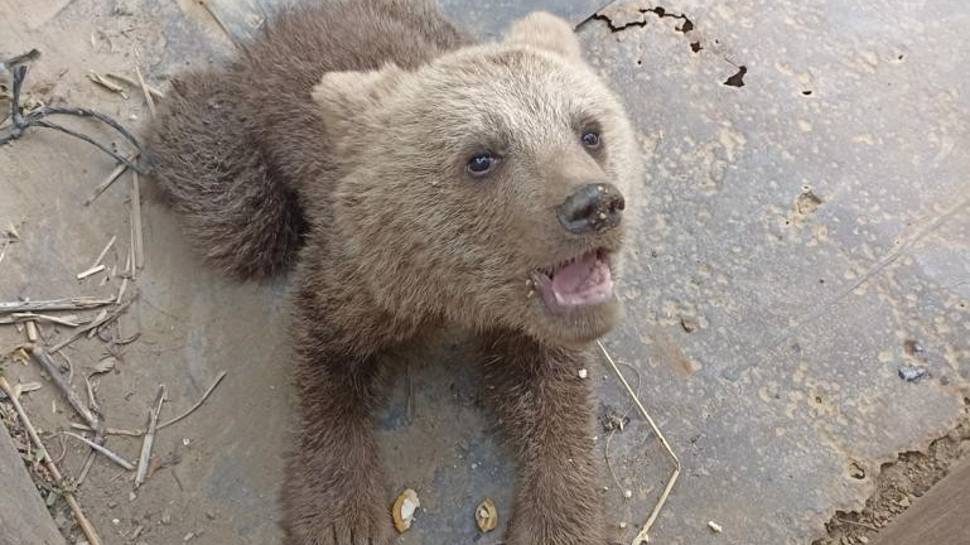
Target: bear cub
[(414, 178)]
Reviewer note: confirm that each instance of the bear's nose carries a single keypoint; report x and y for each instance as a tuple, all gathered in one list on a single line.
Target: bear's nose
[(591, 208)]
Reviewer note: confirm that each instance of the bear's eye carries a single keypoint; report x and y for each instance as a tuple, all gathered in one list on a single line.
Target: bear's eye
[(591, 139), (481, 164)]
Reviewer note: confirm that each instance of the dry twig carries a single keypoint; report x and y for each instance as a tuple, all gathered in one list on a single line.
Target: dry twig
[(138, 240), (198, 403), (86, 527), (101, 81), (144, 89), (16, 317), (108, 454), (43, 358), (162, 426), (149, 440), (644, 535), (92, 326), (21, 121), (109, 431), (75, 303), (115, 174), (32, 334), (104, 252), (124, 79), (90, 272)]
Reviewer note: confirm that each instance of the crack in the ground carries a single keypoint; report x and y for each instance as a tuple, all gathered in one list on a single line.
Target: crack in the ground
[(620, 16), (637, 18), (898, 484)]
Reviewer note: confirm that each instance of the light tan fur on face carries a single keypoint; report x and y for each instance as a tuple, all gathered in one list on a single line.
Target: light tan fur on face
[(451, 245)]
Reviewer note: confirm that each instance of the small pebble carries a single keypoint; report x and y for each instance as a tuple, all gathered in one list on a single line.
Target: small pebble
[(715, 527), (583, 373), (628, 494), (622, 526), (912, 374), (115, 521), (188, 537), (186, 441)]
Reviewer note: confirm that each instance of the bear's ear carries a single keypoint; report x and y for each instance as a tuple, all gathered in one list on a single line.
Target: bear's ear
[(545, 31), (343, 96)]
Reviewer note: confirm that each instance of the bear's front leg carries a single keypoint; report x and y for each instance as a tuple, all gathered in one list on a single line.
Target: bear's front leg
[(546, 413), (334, 484)]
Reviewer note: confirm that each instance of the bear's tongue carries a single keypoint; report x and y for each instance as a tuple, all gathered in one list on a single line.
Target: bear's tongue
[(585, 281)]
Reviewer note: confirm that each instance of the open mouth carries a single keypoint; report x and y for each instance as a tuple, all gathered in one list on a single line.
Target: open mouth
[(576, 283)]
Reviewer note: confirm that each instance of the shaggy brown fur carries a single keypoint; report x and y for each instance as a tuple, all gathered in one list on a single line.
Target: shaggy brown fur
[(349, 128)]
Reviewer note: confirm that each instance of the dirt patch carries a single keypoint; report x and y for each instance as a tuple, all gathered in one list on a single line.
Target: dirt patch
[(898, 485)]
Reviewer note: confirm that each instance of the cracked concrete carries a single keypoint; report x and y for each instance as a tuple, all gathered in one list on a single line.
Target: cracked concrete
[(803, 234)]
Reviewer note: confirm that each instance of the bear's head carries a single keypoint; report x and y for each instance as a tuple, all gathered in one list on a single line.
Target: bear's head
[(489, 186)]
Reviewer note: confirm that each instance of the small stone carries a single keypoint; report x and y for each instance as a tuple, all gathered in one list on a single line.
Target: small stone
[(188, 537), (583, 373), (863, 539), (905, 502), (112, 504), (628, 493), (186, 441), (210, 515), (132, 496), (166, 517), (622, 526), (115, 521), (910, 373), (715, 527)]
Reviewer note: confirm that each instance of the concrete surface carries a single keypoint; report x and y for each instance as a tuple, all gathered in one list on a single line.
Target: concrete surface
[(806, 239), (25, 520)]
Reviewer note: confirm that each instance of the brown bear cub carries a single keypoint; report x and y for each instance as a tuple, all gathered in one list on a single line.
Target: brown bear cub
[(418, 179)]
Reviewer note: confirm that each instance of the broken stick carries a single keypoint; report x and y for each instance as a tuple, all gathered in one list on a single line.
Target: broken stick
[(108, 454), (138, 240), (86, 527), (144, 89), (162, 426), (47, 363), (75, 303), (17, 317), (92, 326), (149, 441), (115, 174), (644, 535)]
